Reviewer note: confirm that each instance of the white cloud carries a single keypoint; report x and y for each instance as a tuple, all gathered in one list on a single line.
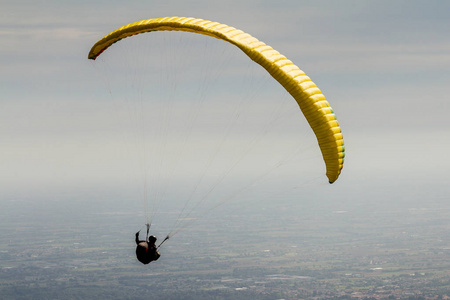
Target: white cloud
[(384, 68)]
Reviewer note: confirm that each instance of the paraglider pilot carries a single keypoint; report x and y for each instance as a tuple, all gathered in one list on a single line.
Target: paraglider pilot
[(146, 251)]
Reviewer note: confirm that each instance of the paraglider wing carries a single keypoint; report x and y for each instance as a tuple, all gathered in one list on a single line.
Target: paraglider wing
[(312, 102)]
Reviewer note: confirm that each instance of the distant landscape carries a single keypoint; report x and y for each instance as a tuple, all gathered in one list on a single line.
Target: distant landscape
[(84, 249)]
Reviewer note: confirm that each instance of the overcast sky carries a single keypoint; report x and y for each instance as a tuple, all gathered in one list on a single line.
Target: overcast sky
[(383, 66)]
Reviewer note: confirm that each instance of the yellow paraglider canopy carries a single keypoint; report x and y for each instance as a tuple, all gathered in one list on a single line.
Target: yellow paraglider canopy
[(312, 102)]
